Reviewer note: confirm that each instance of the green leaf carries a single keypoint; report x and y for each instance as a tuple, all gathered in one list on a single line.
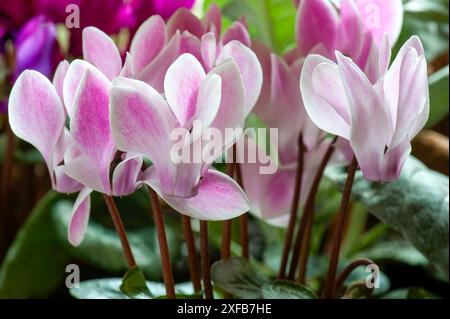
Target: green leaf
[(109, 288), (237, 277), (439, 99), (34, 266), (286, 290), (134, 284), (271, 21), (417, 206), (436, 10), (101, 246)]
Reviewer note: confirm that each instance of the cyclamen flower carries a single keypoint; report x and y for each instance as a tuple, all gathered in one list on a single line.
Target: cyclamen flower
[(355, 30), (142, 122), (378, 118), (79, 158), (157, 45), (280, 106)]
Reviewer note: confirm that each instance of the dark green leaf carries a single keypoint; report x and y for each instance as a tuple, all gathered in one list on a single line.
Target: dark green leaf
[(416, 206), (238, 278), (286, 290), (35, 264), (134, 284), (109, 288)]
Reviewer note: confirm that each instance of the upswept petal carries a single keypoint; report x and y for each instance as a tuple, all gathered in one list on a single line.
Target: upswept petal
[(184, 20), (147, 43), (58, 78), (250, 70), (381, 17), (181, 86), (208, 50), (237, 31), (154, 73), (90, 127), (100, 50), (213, 20), (317, 22), (324, 96), (36, 113), (368, 116)]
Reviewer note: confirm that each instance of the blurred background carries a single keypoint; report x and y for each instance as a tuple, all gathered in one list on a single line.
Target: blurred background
[(34, 250)]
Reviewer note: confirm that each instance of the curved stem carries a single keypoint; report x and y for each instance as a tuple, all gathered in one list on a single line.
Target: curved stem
[(294, 210), (308, 212), (163, 246), (349, 269), (118, 224), (205, 265), (330, 286), (192, 253)]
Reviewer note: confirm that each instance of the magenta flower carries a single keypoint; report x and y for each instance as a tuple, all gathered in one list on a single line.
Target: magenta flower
[(217, 99), (354, 30), (378, 118)]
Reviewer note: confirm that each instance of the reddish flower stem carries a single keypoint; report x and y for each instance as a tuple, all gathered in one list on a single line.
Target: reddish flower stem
[(349, 269), (294, 209), (330, 286), (163, 246), (308, 212), (225, 251), (192, 253), (204, 256), (120, 229), (243, 220)]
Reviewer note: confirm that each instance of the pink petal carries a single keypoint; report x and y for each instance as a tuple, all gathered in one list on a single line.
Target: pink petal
[(154, 73), (208, 100), (250, 70), (231, 110), (72, 80), (64, 183), (190, 44), (368, 116), (324, 96), (58, 78), (185, 20), (147, 43), (393, 161), (100, 50), (263, 52), (137, 113), (127, 69), (288, 112), (237, 32), (213, 20), (90, 126), (125, 176), (208, 50), (84, 171), (36, 113), (378, 61), (316, 23), (381, 16), (181, 86), (219, 198), (80, 217), (350, 32), (406, 88)]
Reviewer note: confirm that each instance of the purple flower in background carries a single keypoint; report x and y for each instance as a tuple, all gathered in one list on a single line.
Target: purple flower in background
[(36, 47)]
